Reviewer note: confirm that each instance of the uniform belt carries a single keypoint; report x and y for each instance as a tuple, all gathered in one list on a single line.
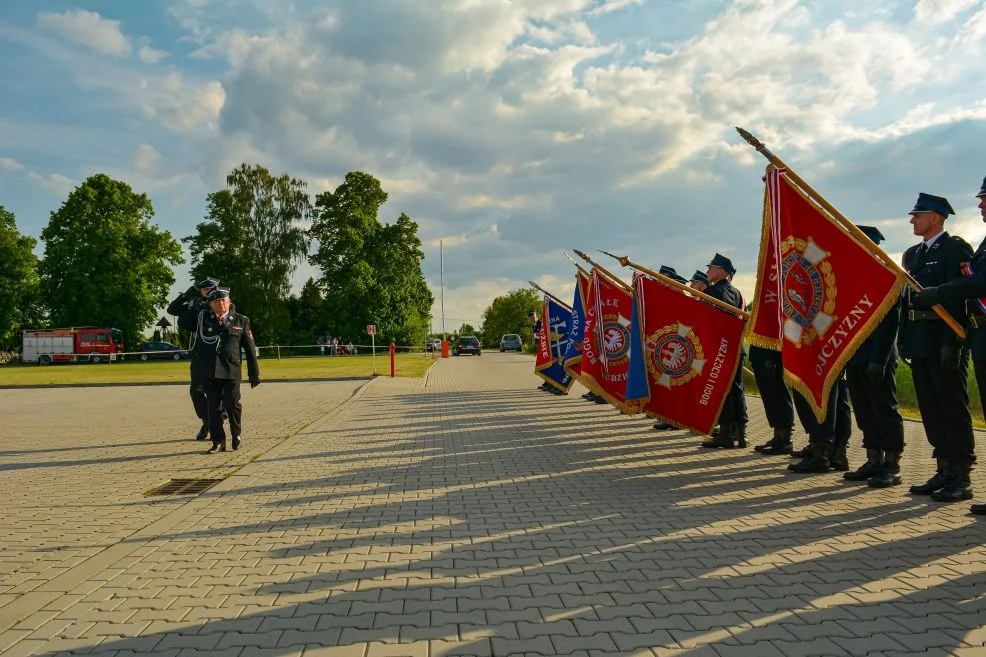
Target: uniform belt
[(921, 315), (977, 321)]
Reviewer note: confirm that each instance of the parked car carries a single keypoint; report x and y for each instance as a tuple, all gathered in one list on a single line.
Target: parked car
[(467, 344), (511, 342), (161, 350), (431, 344)]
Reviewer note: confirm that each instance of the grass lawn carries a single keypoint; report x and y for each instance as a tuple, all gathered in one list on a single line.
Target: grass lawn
[(412, 365)]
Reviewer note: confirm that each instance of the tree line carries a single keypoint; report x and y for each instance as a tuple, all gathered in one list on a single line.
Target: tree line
[(106, 264)]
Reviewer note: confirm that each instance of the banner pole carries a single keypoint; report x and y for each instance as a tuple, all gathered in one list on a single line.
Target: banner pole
[(626, 262), (849, 226)]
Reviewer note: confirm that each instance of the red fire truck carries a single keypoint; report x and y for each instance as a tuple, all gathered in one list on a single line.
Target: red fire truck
[(78, 344)]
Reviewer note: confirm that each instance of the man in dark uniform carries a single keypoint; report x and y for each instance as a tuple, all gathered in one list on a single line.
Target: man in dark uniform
[(220, 335), (939, 363), (972, 287), (778, 406), (195, 298), (700, 282), (871, 375), (732, 425)]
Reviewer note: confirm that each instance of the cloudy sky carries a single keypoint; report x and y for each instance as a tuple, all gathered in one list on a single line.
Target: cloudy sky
[(510, 130)]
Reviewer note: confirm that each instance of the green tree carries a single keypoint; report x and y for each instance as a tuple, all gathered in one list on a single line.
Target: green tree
[(251, 240), (105, 264), (371, 272), (469, 329), (508, 314), (306, 313), (19, 285)]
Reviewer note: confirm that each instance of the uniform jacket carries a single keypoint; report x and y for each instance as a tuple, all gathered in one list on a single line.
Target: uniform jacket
[(970, 288), (941, 264), (724, 291), (216, 353)]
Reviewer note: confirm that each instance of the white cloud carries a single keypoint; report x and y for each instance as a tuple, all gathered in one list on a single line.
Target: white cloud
[(145, 157), (89, 29), (149, 55), (940, 11), (10, 164), (53, 182)]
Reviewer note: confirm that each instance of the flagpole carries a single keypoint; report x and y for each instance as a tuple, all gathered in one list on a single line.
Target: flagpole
[(864, 240), (610, 275), (574, 262), (626, 262), (556, 299)]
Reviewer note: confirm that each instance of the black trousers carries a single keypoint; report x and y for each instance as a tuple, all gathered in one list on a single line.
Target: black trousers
[(836, 426), (875, 407), (943, 400), (734, 408), (223, 393), (199, 401), (768, 370)]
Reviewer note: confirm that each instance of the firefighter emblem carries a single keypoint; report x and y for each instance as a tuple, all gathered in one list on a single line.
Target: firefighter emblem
[(674, 355), (809, 290), (616, 339)]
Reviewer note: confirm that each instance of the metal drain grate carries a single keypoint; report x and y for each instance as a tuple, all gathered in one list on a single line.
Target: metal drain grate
[(184, 487)]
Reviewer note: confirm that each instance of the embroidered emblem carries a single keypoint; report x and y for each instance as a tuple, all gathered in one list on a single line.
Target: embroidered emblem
[(809, 290), (674, 355)]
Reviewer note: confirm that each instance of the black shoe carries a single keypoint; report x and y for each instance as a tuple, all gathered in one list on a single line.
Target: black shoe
[(217, 447), (774, 449), (799, 453), (888, 476), (203, 432), (663, 426), (719, 442), (236, 443), (956, 490), (872, 468), (838, 459), (816, 460), (978, 509), (937, 482)]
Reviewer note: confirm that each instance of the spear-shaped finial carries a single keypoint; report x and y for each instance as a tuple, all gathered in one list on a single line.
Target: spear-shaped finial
[(583, 256), (757, 144), (573, 261), (623, 260)]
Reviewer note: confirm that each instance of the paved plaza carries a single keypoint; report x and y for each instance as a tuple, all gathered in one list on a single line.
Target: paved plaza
[(466, 513)]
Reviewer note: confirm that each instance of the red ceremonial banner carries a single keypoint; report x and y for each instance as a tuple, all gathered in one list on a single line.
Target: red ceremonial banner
[(543, 358), (606, 343), (765, 328), (691, 350), (832, 290)]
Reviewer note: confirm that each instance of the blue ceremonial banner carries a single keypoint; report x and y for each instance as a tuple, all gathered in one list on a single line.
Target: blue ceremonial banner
[(576, 328), (553, 344), (637, 384)]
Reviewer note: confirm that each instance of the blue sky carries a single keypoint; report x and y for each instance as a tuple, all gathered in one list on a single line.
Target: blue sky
[(509, 129)]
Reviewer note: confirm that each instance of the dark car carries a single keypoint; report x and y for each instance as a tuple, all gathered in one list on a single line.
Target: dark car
[(161, 350), (467, 344), (511, 342)]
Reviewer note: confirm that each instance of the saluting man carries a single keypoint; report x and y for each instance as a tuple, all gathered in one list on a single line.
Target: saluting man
[(732, 425), (220, 334), (939, 363), (195, 298), (971, 286)]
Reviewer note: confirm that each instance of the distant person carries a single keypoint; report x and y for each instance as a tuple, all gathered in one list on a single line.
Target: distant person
[(222, 338), (195, 298)]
